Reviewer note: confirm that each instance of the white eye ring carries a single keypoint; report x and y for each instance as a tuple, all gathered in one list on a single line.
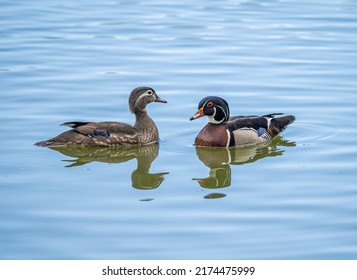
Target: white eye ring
[(149, 92)]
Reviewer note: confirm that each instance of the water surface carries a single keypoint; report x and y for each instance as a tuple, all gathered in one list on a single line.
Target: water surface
[(294, 198)]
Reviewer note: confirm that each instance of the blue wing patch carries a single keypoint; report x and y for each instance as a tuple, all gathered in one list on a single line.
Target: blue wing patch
[(261, 131)]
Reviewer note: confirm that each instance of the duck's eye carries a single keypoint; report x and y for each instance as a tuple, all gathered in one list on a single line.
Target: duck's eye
[(149, 92), (210, 104)]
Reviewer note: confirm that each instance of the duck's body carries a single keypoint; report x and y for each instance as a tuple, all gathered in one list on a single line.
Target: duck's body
[(224, 131), (143, 132)]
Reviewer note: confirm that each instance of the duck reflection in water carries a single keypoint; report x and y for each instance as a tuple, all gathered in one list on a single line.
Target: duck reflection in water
[(219, 160), (141, 177)]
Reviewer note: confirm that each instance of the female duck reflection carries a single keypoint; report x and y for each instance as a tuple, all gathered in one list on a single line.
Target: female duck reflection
[(219, 160), (141, 177)]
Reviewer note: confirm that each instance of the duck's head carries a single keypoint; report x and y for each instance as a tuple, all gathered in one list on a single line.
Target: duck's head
[(140, 97), (215, 108)]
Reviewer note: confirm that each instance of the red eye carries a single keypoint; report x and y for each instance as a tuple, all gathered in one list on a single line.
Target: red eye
[(209, 104)]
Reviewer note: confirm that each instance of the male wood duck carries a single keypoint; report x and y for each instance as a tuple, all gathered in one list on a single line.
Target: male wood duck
[(225, 131), (143, 132)]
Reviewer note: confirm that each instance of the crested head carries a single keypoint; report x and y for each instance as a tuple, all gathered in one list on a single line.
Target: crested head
[(140, 97), (215, 108)]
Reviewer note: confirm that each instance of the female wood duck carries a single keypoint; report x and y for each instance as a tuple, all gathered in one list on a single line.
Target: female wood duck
[(143, 132), (225, 131)]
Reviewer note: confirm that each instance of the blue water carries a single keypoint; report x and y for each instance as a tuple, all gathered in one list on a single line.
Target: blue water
[(78, 60)]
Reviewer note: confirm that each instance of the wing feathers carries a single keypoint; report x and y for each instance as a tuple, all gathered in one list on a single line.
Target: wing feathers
[(91, 128)]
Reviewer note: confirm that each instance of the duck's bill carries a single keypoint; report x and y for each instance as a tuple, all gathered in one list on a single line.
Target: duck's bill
[(158, 99), (198, 114)]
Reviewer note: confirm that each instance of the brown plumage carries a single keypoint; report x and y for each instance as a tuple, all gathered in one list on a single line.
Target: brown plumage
[(143, 132)]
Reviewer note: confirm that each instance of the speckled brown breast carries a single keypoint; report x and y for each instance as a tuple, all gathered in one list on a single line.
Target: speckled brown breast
[(212, 135)]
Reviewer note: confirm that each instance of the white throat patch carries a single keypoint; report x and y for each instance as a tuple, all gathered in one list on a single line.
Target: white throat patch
[(211, 119)]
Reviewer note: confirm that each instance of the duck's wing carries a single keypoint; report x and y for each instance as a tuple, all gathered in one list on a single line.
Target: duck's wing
[(104, 129), (260, 123), (94, 134), (250, 129), (249, 122)]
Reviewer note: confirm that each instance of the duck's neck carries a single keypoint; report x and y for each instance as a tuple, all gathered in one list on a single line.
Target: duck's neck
[(146, 127)]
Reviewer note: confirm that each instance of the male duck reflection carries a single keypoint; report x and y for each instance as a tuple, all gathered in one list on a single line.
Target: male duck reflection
[(225, 131), (141, 177), (219, 160), (143, 132)]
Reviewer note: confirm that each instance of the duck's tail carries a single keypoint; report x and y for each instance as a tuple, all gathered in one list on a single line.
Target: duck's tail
[(277, 125), (46, 143)]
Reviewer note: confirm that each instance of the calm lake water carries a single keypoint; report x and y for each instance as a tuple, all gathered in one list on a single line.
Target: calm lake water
[(294, 198)]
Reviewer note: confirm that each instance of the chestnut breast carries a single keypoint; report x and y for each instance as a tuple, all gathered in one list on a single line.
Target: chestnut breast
[(212, 135)]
